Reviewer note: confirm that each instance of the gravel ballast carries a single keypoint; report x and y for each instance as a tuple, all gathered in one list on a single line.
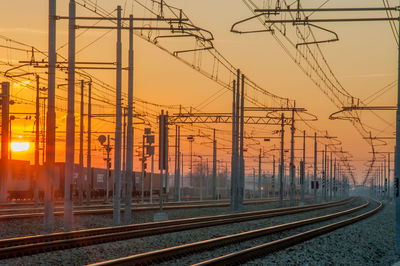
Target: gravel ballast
[(34, 226), (90, 254), (368, 242)]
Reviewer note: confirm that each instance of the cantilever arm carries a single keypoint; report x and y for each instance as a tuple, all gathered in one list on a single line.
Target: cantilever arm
[(313, 117), (248, 19), (334, 117), (6, 73), (336, 38)]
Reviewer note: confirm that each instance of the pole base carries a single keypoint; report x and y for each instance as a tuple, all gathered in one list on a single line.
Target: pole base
[(160, 216)]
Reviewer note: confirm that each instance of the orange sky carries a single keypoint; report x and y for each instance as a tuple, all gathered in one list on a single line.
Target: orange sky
[(364, 60)]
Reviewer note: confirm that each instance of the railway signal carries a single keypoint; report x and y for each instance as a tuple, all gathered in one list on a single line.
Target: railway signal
[(102, 139), (162, 161), (147, 151)]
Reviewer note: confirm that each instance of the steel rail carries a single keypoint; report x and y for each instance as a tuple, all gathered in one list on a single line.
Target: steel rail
[(21, 246), (191, 200), (138, 208), (101, 202), (17, 209), (173, 252), (273, 246), (110, 210)]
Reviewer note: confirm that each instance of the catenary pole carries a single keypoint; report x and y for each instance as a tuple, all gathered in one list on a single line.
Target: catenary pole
[(315, 167), (51, 121), (81, 170), (233, 157), (118, 127), (89, 145), (282, 162), (303, 169), (5, 98), (291, 169), (37, 124), (237, 151), (273, 177), (214, 169), (179, 164), (70, 139), (129, 134), (242, 169), (259, 176), (176, 175), (123, 173), (389, 176)]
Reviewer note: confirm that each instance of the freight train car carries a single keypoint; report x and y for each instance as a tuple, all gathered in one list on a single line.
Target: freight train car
[(19, 180), (22, 180)]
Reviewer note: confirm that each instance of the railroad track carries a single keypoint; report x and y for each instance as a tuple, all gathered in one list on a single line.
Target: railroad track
[(15, 247), (242, 256), (270, 247), (25, 213), (27, 204), (60, 204)]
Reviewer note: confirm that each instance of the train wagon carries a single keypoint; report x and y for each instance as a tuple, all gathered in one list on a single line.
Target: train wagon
[(22, 181)]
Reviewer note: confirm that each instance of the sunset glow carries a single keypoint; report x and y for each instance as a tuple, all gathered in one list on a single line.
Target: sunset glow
[(20, 146)]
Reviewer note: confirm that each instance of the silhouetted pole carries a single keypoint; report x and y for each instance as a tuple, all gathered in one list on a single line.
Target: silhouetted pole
[(151, 178), (166, 162), (214, 169), (273, 177), (37, 123), (334, 180), (389, 175), (70, 140), (325, 173), (5, 98), (51, 122), (330, 178), (385, 178), (89, 145), (303, 169), (123, 174), (259, 176), (282, 162), (207, 180), (118, 127), (201, 178), (242, 169), (162, 156), (143, 159), (179, 165), (108, 159), (81, 174), (191, 160), (234, 157), (315, 167), (291, 169), (177, 170), (182, 187), (129, 133)]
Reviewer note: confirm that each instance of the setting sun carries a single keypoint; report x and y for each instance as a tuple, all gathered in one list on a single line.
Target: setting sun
[(20, 146)]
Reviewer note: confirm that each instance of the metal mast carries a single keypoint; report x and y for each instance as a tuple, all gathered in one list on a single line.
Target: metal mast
[(89, 145), (129, 134), (118, 128), (51, 120), (70, 142)]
